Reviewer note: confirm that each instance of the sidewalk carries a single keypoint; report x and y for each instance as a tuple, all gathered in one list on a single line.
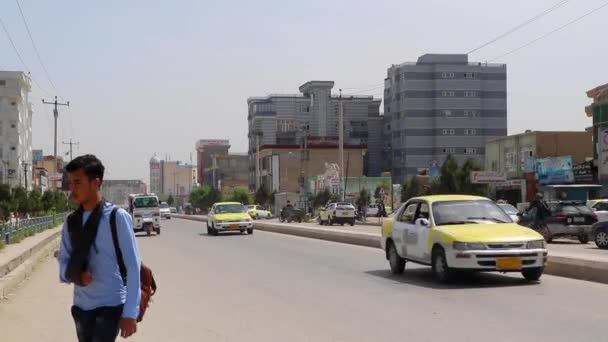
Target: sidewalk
[(17, 261)]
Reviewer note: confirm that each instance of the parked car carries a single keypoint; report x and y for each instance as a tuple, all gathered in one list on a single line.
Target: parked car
[(372, 210), (568, 219), (454, 233), (173, 210), (599, 234), (510, 210), (600, 207), (340, 212), (228, 216), (258, 212)]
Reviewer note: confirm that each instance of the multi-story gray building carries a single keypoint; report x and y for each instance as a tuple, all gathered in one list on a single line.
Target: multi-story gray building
[(443, 104), (285, 119)]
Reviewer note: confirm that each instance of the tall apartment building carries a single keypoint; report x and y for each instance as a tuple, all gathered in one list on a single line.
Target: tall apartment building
[(156, 182), (285, 120), (443, 104), (15, 129)]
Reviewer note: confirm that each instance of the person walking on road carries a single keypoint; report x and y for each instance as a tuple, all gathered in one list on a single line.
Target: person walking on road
[(103, 305)]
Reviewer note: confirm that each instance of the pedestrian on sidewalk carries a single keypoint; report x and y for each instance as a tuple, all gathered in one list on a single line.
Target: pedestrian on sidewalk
[(103, 305)]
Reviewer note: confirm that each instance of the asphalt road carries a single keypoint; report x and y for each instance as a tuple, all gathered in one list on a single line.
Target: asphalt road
[(272, 287)]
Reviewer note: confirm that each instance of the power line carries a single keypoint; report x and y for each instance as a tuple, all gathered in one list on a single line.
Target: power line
[(29, 33), (10, 39), (529, 21), (550, 32)]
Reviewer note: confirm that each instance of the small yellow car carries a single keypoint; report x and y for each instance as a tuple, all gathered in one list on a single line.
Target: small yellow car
[(453, 233), (229, 216), (258, 212)]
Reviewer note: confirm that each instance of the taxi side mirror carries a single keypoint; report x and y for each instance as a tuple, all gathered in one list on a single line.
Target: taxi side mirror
[(422, 222)]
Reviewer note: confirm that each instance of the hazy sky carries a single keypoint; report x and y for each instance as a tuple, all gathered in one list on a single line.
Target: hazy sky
[(147, 77)]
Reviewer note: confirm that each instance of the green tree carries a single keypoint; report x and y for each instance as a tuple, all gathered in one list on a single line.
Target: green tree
[(48, 200), (60, 201), (412, 189), (240, 195), (170, 200), (464, 179), (262, 196), (321, 198), (448, 182), (364, 198), (204, 197), (35, 202), (19, 200)]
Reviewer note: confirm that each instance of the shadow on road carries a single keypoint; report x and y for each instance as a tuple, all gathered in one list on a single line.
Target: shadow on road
[(221, 235), (144, 235), (424, 277)]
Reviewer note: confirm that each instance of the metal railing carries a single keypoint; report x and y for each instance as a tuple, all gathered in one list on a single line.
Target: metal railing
[(29, 227)]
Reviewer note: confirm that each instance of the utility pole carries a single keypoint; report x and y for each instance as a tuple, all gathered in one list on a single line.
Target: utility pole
[(341, 142), (56, 115), (25, 165), (71, 144)]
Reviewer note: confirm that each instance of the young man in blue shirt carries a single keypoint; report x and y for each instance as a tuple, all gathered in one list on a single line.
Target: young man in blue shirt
[(103, 305)]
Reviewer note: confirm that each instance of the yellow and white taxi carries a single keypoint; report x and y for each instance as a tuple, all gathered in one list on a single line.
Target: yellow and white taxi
[(258, 212), (455, 233), (229, 216)]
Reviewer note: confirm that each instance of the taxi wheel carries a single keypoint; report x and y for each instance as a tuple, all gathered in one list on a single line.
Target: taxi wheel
[(533, 274), (250, 231), (214, 231), (442, 271), (396, 262)]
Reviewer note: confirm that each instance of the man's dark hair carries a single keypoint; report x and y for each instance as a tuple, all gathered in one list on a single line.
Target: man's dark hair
[(91, 166)]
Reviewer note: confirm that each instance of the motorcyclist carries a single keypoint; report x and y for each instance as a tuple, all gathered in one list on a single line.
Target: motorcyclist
[(542, 211)]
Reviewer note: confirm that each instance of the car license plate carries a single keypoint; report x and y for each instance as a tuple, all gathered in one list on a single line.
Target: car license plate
[(345, 213), (234, 226), (147, 215), (508, 263), (579, 219)]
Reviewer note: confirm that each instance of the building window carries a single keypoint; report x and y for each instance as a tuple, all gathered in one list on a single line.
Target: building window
[(449, 150), (447, 93), (447, 113), (471, 114), (449, 132), (470, 75), (470, 132), (2, 83), (13, 103), (470, 150), (447, 75), (470, 93)]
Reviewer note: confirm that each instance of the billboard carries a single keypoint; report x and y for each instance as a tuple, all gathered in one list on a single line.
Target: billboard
[(602, 151), (201, 144), (554, 170), (487, 177), (37, 156), (583, 173)]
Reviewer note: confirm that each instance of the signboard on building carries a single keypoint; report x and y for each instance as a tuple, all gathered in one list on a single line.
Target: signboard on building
[(602, 152), (510, 184), (211, 142), (583, 173), (37, 156), (556, 170), (487, 177)]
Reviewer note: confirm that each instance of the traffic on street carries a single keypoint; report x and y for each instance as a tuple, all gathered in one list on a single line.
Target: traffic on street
[(273, 287)]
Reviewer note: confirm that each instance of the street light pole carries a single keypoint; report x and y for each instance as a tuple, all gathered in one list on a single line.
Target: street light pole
[(341, 143)]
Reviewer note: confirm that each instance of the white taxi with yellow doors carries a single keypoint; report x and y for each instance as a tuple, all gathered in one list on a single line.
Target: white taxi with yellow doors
[(455, 233)]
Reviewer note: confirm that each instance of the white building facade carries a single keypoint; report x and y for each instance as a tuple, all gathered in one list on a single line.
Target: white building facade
[(15, 129)]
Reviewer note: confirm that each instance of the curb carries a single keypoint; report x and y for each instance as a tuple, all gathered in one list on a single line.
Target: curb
[(20, 268), (567, 267)]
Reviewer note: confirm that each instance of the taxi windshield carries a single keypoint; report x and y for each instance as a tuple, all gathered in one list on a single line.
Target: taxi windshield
[(466, 211), (230, 209)]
